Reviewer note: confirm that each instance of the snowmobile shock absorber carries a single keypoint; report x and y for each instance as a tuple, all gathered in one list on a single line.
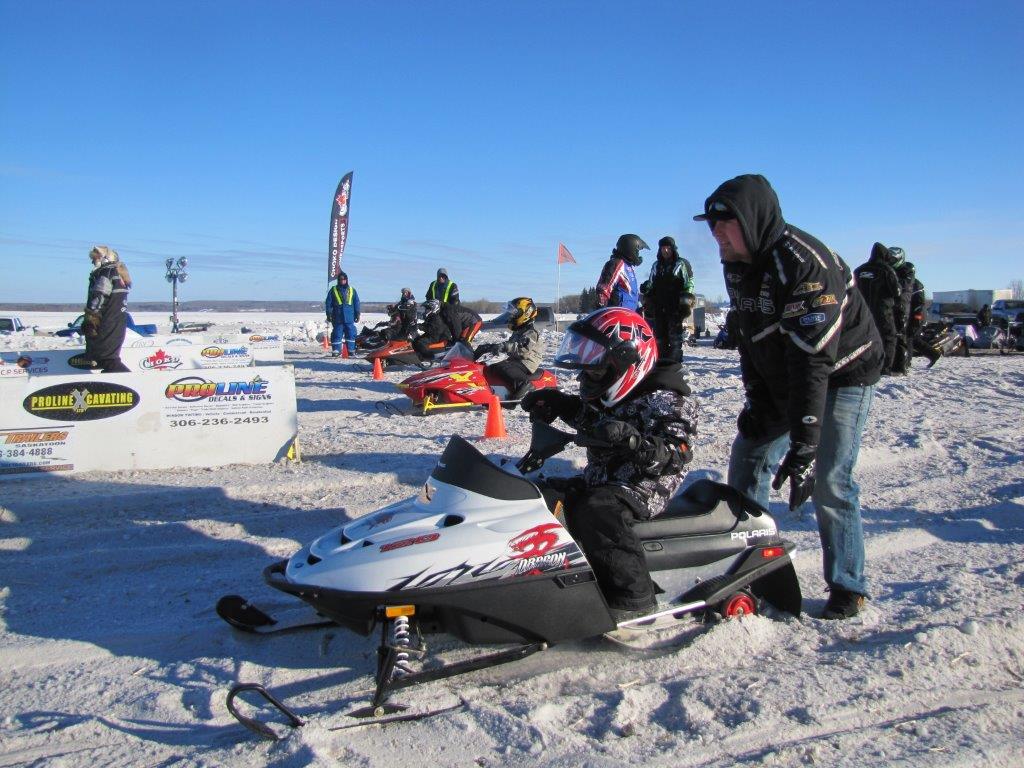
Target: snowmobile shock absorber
[(400, 640)]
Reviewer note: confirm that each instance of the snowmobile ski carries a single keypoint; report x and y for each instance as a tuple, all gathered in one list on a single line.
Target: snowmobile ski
[(243, 615), (389, 713)]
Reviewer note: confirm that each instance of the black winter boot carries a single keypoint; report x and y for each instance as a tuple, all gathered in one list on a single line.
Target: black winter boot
[(842, 604)]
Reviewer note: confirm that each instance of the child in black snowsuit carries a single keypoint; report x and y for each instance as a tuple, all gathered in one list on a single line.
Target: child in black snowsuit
[(640, 421)]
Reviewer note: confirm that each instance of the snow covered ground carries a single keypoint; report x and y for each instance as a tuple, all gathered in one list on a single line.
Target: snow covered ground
[(111, 653)]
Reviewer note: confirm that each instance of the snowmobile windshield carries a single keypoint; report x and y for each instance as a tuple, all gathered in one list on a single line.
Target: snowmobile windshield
[(465, 467), (583, 348), (459, 351)]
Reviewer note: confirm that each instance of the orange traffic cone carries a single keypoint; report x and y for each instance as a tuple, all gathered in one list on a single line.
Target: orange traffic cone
[(325, 342), (378, 369), (344, 349), (495, 419)]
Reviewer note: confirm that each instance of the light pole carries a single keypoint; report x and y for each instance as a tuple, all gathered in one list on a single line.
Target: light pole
[(175, 274)]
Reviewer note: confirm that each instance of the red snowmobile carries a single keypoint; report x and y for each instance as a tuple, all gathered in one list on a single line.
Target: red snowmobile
[(374, 343), (461, 382)]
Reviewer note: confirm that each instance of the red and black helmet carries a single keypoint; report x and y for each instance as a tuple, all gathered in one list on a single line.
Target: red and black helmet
[(613, 348)]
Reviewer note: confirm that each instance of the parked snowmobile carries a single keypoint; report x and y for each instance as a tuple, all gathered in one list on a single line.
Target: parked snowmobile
[(482, 555), (461, 382), (936, 340)]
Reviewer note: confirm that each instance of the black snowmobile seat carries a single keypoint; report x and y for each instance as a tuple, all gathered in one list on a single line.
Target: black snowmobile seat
[(537, 375), (704, 507), (465, 467)]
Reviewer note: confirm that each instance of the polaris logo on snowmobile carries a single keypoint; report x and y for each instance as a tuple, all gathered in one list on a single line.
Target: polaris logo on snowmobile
[(192, 388), (755, 534), (81, 401)]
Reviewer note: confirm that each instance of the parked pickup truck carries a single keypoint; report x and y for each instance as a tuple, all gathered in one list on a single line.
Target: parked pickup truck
[(75, 328), (11, 324), (1008, 309)]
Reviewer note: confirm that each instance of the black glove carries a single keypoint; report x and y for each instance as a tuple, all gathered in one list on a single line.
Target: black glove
[(484, 349), (645, 286), (618, 434), (798, 468), (91, 325), (550, 404), (749, 425)]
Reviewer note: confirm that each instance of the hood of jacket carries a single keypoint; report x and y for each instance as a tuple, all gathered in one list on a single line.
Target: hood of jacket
[(880, 254), (756, 206)]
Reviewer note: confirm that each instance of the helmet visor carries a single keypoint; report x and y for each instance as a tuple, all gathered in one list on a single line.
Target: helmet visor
[(583, 348)]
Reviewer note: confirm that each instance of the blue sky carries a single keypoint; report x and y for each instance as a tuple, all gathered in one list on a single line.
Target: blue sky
[(482, 134)]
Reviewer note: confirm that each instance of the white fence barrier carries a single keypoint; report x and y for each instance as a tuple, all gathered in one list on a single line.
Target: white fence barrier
[(151, 353), (158, 420)]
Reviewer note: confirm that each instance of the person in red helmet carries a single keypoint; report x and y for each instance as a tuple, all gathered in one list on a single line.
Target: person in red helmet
[(639, 421)]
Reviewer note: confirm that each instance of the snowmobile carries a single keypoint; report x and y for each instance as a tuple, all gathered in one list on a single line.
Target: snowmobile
[(460, 382), (483, 554), (936, 340), (374, 343)]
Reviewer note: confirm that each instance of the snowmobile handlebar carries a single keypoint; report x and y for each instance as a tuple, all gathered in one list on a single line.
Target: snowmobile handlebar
[(547, 441)]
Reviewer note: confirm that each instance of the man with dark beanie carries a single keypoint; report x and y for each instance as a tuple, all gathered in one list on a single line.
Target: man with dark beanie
[(810, 356), (668, 298), (880, 288)]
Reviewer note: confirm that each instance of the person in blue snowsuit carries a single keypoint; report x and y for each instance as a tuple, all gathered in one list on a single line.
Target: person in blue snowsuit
[(342, 313)]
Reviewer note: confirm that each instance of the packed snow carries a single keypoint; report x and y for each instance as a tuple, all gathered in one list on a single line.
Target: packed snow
[(111, 653)]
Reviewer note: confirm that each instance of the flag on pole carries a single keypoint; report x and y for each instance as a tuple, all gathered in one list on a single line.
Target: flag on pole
[(339, 226), (564, 257)]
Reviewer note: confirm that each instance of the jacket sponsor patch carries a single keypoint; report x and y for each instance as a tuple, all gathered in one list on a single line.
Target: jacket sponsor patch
[(865, 274), (794, 309), (809, 419), (807, 288), (81, 401), (815, 318), (825, 300)]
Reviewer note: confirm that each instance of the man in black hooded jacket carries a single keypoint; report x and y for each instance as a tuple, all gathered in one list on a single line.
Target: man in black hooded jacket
[(880, 287), (668, 298), (810, 356)]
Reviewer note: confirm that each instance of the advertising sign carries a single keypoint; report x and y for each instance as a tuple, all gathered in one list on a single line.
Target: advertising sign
[(155, 420)]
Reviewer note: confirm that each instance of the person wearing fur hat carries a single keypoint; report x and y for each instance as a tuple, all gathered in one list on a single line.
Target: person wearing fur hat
[(106, 310), (668, 298)]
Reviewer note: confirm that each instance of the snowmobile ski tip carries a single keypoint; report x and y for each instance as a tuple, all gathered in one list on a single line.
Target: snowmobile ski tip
[(243, 615)]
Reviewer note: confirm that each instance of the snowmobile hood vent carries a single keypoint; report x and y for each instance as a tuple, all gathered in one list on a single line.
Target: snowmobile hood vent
[(465, 467)]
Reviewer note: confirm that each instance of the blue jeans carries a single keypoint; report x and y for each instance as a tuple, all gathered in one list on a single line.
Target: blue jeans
[(343, 332), (836, 495)]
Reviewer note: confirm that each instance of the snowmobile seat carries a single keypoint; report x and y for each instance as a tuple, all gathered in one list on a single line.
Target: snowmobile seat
[(537, 375), (704, 507)]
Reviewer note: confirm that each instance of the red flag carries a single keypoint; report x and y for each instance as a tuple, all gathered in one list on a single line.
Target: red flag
[(564, 257)]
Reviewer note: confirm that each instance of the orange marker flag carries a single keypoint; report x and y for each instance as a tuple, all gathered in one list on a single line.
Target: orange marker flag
[(564, 257)]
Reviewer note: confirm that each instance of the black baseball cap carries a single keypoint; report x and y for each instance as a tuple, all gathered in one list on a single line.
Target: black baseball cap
[(716, 211)]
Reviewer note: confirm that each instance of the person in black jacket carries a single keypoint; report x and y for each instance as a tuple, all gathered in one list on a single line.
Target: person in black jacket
[(106, 308), (810, 356), (668, 298), (880, 287), (403, 318), (436, 336), (640, 422), (462, 321), (906, 275), (985, 316)]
